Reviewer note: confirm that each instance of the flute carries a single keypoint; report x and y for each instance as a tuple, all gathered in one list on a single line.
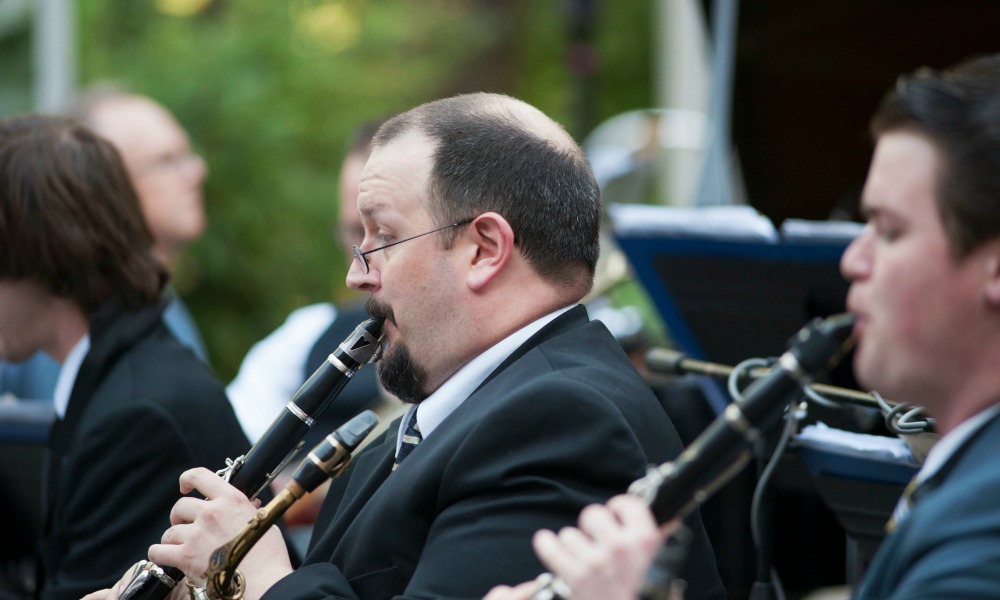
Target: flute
[(252, 472)]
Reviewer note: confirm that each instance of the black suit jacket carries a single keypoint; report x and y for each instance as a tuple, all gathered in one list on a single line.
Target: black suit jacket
[(142, 410), (564, 422)]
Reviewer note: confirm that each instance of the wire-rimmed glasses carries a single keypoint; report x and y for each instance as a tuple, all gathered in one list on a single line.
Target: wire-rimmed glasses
[(362, 255)]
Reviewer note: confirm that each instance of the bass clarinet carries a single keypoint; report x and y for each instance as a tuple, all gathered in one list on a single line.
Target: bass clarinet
[(252, 472)]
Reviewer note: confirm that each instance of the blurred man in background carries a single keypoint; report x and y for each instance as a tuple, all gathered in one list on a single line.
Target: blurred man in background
[(276, 366), (167, 175)]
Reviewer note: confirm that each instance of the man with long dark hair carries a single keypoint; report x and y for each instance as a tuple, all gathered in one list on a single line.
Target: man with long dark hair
[(79, 280)]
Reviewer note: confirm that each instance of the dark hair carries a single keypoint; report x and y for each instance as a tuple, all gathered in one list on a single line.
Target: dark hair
[(495, 153), (360, 142), (959, 111), (69, 217)]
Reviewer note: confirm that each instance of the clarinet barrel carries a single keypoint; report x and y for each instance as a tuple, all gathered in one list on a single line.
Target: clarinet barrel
[(278, 445)]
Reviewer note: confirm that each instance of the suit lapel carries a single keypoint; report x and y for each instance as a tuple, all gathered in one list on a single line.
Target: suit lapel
[(956, 458)]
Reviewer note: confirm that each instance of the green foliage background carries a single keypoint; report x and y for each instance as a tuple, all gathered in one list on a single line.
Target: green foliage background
[(271, 90)]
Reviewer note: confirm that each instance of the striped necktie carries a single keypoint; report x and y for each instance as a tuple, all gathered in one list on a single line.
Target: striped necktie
[(914, 490), (911, 494), (411, 437), (903, 505)]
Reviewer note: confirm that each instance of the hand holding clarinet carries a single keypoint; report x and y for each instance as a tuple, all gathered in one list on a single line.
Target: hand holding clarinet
[(201, 537), (229, 494), (606, 557)]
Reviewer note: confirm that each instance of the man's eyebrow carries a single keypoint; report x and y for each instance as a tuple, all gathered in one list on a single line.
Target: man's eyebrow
[(869, 212), (370, 209)]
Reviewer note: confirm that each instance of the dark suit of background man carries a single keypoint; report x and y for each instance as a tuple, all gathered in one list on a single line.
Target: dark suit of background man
[(481, 220), (79, 280)]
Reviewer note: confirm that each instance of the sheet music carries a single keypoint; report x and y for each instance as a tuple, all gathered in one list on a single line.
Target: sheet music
[(801, 230), (739, 222), (879, 447)]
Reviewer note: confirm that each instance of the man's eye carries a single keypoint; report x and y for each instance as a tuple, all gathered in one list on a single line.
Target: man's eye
[(887, 234)]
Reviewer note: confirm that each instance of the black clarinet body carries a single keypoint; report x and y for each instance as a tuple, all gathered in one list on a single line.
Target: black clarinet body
[(278, 445), (675, 488)]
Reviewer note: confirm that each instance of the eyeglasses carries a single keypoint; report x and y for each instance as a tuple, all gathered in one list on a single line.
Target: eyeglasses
[(169, 163), (362, 256)]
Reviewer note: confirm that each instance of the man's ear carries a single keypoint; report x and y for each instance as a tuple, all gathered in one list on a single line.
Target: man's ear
[(492, 246)]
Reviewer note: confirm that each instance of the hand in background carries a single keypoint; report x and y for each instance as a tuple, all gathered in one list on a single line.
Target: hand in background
[(605, 558)]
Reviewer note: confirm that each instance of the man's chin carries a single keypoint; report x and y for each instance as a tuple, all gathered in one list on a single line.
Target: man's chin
[(866, 372), (13, 358)]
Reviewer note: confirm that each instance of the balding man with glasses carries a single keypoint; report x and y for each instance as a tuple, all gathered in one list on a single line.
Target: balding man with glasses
[(481, 220)]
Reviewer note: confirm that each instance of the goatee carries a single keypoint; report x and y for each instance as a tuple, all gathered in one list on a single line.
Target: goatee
[(397, 371)]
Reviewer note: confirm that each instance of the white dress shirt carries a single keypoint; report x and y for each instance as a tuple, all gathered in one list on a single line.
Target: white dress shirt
[(435, 408), (67, 375)]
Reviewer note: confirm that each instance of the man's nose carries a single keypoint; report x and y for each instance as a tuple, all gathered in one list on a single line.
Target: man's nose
[(856, 260)]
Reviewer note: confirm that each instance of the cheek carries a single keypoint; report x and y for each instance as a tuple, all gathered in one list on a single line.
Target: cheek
[(923, 300), (149, 205), (12, 311), (894, 314), (896, 301), (15, 325)]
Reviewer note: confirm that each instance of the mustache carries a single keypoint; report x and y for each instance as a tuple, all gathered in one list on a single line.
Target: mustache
[(379, 310)]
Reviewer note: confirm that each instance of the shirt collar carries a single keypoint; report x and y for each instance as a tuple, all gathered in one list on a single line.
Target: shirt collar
[(435, 408), (67, 375), (946, 447)]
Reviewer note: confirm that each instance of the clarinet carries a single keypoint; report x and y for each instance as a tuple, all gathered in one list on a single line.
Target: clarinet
[(330, 458), (675, 488), (252, 472)]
